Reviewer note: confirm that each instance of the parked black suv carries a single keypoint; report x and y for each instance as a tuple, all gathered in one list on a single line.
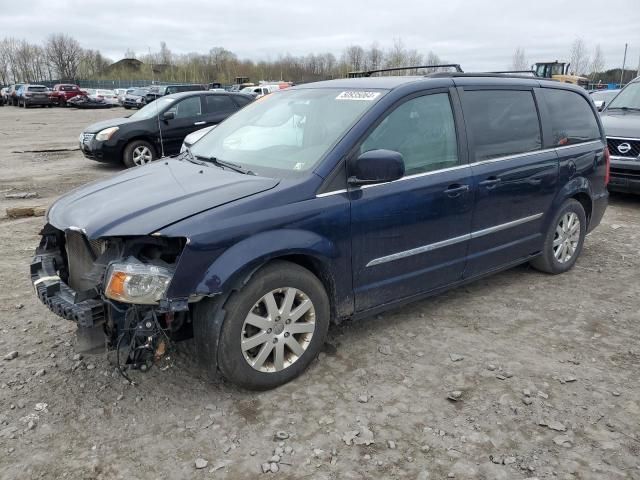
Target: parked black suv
[(158, 128), (157, 91), (320, 203)]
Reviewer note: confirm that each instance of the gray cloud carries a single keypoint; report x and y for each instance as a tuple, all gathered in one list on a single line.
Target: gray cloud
[(479, 35)]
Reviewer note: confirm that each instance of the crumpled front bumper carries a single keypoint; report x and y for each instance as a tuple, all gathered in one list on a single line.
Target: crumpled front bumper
[(59, 297)]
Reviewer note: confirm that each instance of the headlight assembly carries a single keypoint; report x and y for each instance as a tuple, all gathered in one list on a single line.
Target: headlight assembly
[(137, 283), (106, 134)]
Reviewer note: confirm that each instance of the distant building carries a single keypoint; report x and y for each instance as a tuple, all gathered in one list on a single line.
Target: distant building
[(133, 65)]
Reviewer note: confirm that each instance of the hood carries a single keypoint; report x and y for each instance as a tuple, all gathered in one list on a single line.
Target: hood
[(114, 122), (621, 124), (145, 199)]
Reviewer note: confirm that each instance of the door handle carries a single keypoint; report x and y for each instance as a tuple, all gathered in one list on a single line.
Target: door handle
[(456, 190), (490, 182), (200, 123)]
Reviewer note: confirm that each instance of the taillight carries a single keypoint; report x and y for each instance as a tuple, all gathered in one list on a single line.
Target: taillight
[(607, 162)]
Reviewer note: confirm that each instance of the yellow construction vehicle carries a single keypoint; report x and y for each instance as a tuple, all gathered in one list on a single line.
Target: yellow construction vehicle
[(559, 71)]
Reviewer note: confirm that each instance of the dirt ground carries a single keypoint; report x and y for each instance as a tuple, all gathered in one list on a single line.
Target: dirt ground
[(547, 367)]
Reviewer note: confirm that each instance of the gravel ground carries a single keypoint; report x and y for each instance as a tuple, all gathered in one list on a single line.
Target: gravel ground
[(542, 370)]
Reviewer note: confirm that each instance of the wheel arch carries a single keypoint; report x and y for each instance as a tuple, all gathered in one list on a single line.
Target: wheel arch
[(236, 265), (578, 188)]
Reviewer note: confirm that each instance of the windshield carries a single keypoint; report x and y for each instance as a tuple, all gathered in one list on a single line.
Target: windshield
[(289, 131), (139, 92), (629, 97), (37, 88), (151, 109)]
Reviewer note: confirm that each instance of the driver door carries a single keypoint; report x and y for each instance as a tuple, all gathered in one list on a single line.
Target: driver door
[(188, 117), (411, 235)]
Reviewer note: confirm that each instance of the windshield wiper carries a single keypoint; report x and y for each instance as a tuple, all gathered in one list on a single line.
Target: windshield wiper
[(223, 164), (189, 156)]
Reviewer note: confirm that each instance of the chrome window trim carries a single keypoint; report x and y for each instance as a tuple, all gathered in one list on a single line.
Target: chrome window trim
[(333, 192), (474, 164), (590, 142), (452, 241), (624, 138), (417, 175)]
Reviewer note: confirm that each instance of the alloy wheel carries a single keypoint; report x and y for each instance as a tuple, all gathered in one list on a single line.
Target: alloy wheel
[(278, 330), (141, 155), (567, 237)]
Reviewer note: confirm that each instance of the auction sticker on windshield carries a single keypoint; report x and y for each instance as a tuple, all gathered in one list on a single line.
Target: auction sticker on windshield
[(358, 95)]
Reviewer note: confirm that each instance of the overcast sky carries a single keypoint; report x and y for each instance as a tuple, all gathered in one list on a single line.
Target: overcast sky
[(478, 35)]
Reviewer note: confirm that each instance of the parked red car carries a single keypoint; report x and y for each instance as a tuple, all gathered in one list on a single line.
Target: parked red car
[(63, 92)]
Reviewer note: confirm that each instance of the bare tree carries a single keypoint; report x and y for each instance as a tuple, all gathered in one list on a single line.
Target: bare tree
[(597, 61), (374, 57), (65, 54), (397, 55), (5, 64), (165, 54), (129, 53), (519, 59), (578, 57), (353, 57)]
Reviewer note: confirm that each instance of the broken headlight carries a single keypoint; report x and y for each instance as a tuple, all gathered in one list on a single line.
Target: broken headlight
[(139, 283)]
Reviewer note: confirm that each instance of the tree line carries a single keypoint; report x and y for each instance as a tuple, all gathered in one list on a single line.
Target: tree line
[(61, 57), (222, 65)]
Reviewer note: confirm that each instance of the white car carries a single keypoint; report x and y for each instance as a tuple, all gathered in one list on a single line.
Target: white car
[(260, 90), (193, 137), (109, 96)]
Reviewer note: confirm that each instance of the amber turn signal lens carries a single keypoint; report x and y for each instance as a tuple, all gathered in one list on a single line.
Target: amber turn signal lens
[(115, 289)]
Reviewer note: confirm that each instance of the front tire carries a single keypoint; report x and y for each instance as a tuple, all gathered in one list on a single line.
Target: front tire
[(138, 153), (274, 327), (564, 239)]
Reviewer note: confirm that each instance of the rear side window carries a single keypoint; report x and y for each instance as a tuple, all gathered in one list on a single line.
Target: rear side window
[(501, 122), (572, 120), (219, 103), (187, 108), (422, 130), (242, 101)]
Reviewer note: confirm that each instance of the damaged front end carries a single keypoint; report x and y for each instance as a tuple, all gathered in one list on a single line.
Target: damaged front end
[(114, 289)]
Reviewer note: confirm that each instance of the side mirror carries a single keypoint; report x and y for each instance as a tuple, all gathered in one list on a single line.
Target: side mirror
[(600, 104), (376, 166), (168, 116)]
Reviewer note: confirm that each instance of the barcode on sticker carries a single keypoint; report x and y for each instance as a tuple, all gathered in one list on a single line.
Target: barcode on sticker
[(358, 95)]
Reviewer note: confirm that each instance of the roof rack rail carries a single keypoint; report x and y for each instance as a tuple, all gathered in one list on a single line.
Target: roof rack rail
[(482, 74), (368, 73), (520, 72)]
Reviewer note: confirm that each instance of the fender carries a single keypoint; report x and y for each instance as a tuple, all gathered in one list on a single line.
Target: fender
[(246, 256), (573, 187)]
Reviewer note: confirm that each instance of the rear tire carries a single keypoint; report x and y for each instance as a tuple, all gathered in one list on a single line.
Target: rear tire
[(284, 313), (564, 239), (138, 153)]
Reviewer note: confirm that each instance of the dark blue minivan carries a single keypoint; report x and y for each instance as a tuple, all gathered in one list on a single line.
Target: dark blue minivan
[(319, 203)]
